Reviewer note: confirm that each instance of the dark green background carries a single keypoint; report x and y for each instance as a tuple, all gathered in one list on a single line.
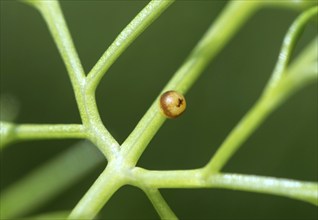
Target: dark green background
[(284, 146)]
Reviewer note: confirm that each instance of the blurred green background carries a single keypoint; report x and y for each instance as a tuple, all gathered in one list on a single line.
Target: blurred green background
[(284, 146)]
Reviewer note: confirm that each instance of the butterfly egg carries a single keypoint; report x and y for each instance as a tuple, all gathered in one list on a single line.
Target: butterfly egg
[(172, 104)]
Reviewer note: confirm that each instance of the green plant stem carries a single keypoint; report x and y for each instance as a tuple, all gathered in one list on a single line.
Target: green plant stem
[(212, 42), (303, 71), (305, 191), (114, 176), (240, 133), (119, 170), (109, 181), (160, 204), (292, 80), (85, 99), (289, 44), (144, 18), (11, 132), (54, 18), (49, 180), (97, 132), (45, 131), (303, 67), (216, 37)]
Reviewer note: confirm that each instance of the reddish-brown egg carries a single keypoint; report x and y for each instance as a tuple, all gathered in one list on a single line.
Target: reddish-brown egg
[(172, 104)]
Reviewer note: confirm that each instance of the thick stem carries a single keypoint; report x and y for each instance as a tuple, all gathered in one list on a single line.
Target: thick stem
[(97, 132), (212, 42), (110, 180)]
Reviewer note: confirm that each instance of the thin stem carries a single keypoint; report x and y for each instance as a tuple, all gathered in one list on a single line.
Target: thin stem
[(293, 79), (300, 190), (304, 191), (160, 204), (109, 181), (212, 42), (216, 37), (145, 17), (289, 44), (54, 18), (303, 70), (85, 100), (48, 131), (119, 170), (240, 133), (308, 56), (11, 132)]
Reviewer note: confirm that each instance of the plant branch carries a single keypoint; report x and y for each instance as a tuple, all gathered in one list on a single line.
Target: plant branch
[(144, 18), (160, 204), (239, 134), (120, 171), (97, 132), (109, 181), (11, 132), (304, 191), (212, 42), (289, 44), (54, 18), (85, 100), (293, 78), (48, 131), (304, 68)]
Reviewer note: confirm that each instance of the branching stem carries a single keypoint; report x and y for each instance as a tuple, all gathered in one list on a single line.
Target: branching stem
[(212, 42), (282, 85), (145, 17), (121, 168)]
